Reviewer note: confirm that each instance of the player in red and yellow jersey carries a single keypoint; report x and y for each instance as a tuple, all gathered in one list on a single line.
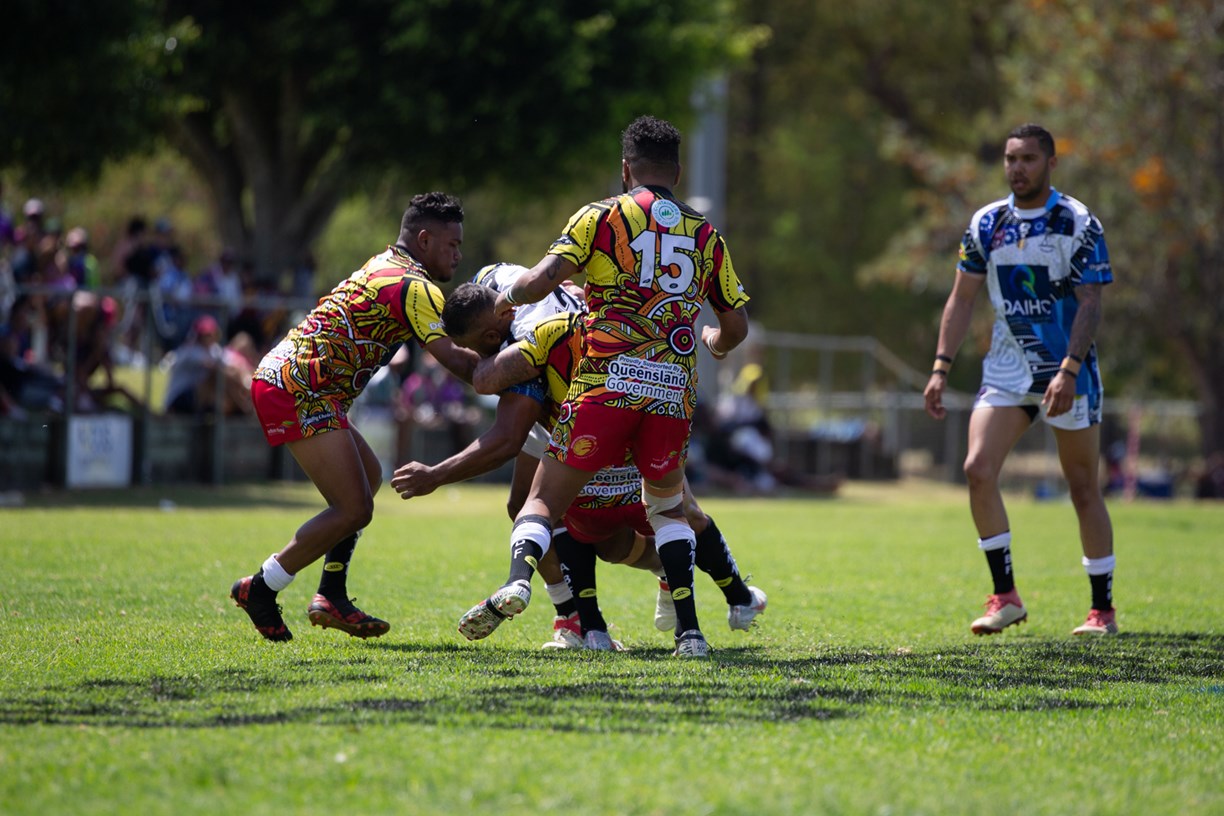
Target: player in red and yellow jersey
[(651, 262), (607, 517), (304, 387)]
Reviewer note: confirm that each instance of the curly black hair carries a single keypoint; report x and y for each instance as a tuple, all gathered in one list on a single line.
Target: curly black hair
[(431, 208), (651, 140), (465, 305)]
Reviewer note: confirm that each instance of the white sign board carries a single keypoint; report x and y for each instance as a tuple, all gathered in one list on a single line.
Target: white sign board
[(99, 451)]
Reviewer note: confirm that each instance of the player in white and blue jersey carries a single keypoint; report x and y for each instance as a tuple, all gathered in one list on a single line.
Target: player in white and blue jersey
[(1042, 257)]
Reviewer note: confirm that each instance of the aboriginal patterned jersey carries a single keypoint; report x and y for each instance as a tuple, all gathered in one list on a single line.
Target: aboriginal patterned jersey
[(330, 356), (1033, 260), (650, 263), (555, 346)]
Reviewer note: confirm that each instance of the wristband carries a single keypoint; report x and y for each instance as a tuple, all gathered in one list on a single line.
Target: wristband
[(1079, 360), (510, 298), (943, 372), (943, 358), (709, 343), (1071, 365), (1065, 370)]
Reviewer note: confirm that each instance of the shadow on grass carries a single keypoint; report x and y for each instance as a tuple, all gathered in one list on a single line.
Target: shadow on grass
[(645, 691)]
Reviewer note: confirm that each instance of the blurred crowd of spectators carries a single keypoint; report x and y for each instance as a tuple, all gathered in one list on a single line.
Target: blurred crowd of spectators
[(68, 318)]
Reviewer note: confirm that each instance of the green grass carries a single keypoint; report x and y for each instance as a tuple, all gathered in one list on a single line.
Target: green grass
[(130, 684)]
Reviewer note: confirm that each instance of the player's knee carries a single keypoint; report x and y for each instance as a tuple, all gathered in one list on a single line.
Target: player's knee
[(662, 510), (359, 514), (978, 471)]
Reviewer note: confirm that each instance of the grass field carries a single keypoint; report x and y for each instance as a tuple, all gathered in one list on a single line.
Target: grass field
[(129, 683)]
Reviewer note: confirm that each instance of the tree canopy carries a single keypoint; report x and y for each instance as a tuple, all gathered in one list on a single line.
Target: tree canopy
[(284, 109)]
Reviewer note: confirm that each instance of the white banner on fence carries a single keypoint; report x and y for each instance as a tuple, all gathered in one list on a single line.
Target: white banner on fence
[(99, 451)]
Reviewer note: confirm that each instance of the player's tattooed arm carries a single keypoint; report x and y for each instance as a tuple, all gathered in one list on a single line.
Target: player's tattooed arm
[(508, 367), (1087, 319)]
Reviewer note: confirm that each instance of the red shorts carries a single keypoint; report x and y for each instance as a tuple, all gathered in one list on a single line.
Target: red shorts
[(595, 525), (283, 420), (590, 436)]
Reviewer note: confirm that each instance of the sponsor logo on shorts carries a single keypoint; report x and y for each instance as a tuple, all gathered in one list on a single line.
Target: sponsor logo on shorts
[(584, 445)]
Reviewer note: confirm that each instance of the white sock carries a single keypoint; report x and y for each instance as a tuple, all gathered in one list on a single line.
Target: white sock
[(274, 574), (996, 542), (1099, 566), (559, 593), (532, 531)]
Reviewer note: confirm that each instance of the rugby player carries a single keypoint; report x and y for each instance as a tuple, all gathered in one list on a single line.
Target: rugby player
[(304, 386)]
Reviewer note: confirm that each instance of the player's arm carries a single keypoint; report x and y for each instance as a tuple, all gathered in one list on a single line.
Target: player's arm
[(506, 368), (458, 361), (731, 331), (515, 415), (953, 327), (1060, 393), (536, 283)]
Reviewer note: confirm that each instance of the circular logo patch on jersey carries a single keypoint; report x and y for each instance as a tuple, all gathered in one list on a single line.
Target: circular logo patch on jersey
[(665, 213), (563, 416), (584, 445), (682, 340)]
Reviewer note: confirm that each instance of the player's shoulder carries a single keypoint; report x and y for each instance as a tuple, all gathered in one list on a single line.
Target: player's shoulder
[(498, 276), (1076, 209), (988, 215)]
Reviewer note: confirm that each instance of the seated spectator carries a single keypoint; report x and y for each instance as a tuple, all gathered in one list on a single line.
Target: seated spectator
[(96, 318), (433, 398), (29, 385), (194, 366)]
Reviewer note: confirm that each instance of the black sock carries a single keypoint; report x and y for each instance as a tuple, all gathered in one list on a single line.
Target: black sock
[(1102, 591), (525, 554), (1001, 569), (260, 587), (334, 581), (578, 563), (566, 608), (677, 558), (714, 559)]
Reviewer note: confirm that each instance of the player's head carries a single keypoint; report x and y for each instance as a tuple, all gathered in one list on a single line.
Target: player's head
[(650, 153), (470, 321), (432, 231), (1028, 158)]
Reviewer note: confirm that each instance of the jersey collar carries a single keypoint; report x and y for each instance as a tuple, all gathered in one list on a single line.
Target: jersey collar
[(1049, 205)]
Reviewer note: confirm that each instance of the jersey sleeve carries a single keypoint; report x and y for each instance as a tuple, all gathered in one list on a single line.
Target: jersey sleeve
[(727, 293), (577, 242), (1090, 262), (972, 261), (539, 342), (423, 302)]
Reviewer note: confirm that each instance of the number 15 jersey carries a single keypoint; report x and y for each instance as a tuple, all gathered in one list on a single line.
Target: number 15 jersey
[(650, 263)]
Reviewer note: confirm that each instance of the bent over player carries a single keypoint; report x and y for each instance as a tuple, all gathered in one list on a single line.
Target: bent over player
[(304, 387)]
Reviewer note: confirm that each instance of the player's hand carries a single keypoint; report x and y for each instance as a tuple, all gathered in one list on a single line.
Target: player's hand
[(932, 395), (502, 306), (1059, 395), (414, 479)]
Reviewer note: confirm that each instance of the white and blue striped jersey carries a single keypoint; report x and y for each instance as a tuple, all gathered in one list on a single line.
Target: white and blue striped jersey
[(1033, 260)]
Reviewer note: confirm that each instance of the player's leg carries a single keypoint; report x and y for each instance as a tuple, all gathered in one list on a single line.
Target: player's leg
[(578, 560), (993, 432), (714, 558), (567, 631), (331, 606), (333, 462), (553, 489), (676, 543), (1079, 453)]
